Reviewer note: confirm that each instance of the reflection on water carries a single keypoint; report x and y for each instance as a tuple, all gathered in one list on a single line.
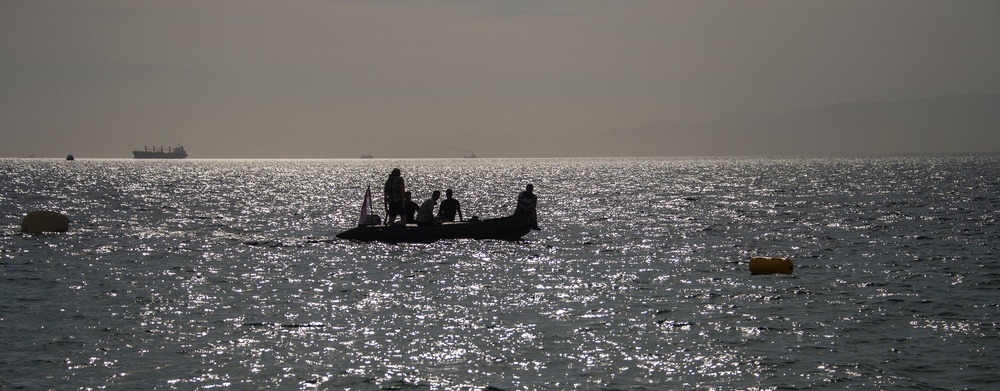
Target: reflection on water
[(206, 273)]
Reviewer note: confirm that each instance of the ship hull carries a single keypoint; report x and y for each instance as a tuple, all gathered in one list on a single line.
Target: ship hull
[(158, 155)]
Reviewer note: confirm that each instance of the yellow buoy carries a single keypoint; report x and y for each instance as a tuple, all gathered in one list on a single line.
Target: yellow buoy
[(768, 265)]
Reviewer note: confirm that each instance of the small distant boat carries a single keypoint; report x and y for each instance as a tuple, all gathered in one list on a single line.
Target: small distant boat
[(160, 153), (367, 157), (369, 228), (70, 157), (472, 156)]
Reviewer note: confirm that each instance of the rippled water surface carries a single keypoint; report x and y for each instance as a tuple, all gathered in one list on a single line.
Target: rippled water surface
[(202, 273)]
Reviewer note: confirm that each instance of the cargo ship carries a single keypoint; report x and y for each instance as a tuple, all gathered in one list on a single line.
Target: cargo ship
[(160, 152)]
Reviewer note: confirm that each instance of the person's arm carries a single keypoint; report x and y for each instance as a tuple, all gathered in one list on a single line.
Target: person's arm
[(385, 203)]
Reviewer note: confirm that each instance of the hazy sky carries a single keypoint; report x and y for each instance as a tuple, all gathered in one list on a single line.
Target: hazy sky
[(329, 79)]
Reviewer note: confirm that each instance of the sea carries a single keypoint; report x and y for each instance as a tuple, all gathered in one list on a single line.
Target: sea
[(227, 274)]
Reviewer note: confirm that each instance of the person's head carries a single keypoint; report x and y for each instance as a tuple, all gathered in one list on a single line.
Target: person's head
[(395, 171), (436, 195), (407, 196), (529, 188), (448, 193)]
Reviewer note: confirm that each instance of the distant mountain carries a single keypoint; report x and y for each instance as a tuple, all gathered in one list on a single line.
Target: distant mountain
[(948, 123)]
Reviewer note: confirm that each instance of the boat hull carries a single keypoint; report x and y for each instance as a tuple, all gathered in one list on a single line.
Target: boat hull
[(504, 228)]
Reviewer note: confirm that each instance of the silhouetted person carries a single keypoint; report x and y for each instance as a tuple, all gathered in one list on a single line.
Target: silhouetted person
[(409, 207), (526, 205), (425, 216), (394, 191), (449, 207)]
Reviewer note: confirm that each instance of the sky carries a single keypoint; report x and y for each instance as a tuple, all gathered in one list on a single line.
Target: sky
[(446, 78)]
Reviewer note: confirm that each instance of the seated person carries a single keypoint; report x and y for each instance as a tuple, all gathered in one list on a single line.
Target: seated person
[(449, 207), (526, 202), (409, 207), (425, 216)]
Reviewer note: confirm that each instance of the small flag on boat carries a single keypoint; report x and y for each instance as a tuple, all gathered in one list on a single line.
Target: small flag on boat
[(366, 207), (367, 218)]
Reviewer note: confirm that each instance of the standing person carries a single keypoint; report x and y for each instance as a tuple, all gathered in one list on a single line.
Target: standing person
[(425, 216), (394, 191), (409, 207), (526, 205), (449, 207)]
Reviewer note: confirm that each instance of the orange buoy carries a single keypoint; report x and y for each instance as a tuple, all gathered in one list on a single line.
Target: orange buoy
[(768, 265)]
